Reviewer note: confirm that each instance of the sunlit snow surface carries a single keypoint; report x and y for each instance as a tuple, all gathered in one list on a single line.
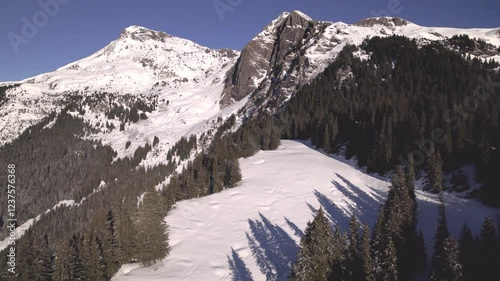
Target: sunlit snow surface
[(253, 230)]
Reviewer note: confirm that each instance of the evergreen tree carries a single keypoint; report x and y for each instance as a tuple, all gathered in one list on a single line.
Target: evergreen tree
[(354, 261), (377, 243), (467, 250), (438, 260), (339, 259), (410, 177), (366, 259), (125, 229), (389, 264), (313, 260), (233, 173), (92, 259), (275, 139), (62, 267), (488, 253), (111, 252), (25, 250), (152, 229), (42, 266), (452, 270), (421, 255), (67, 264), (434, 181)]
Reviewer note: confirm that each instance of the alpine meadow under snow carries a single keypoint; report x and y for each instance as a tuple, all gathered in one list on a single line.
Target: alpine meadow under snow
[(252, 232)]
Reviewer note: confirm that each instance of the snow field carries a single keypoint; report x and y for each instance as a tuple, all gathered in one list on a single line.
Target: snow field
[(252, 232)]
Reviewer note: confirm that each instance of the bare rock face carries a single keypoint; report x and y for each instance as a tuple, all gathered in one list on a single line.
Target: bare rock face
[(385, 21), (270, 58), (142, 34)]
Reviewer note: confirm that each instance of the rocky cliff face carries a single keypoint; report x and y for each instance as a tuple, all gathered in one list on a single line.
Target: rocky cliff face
[(272, 61)]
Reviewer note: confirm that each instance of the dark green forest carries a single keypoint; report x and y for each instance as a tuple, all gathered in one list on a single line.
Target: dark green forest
[(437, 104)]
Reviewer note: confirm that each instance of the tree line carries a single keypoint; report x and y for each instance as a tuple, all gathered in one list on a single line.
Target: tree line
[(395, 249)]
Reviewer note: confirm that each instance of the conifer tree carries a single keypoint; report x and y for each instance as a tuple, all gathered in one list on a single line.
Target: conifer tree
[(275, 139), (452, 270), (313, 260), (125, 229), (339, 259), (438, 261), (488, 254), (28, 259), (354, 264), (216, 176), (420, 255), (67, 264), (410, 177), (62, 267), (467, 249), (377, 243), (389, 263), (109, 242), (152, 237), (434, 181), (366, 259), (42, 266), (92, 260)]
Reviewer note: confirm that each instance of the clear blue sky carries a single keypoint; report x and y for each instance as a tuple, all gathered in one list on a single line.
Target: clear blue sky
[(81, 27)]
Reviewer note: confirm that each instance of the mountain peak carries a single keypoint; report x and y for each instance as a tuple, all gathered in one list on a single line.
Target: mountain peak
[(302, 15), (142, 34)]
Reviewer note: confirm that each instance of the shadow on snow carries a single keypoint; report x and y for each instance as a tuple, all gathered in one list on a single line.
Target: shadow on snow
[(239, 271), (273, 249)]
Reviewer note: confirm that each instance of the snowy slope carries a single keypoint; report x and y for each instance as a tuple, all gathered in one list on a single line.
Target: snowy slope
[(254, 229)]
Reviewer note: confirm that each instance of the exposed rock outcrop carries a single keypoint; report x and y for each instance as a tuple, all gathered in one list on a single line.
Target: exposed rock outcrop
[(385, 21), (271, 61)]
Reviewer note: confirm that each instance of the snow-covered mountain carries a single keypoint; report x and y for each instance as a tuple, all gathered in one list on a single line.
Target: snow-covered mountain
[(190, 86), (182, 77)]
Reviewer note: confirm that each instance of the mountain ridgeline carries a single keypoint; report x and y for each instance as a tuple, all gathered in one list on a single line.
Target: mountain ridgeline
[(410, 107)]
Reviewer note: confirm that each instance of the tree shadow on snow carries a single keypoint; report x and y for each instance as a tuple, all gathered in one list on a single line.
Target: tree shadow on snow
[(239, 270), (337, 215), (273, 249), (296, 230), (363, 206)]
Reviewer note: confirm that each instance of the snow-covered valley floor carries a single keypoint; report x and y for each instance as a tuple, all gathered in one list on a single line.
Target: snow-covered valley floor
[(252, 232)]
